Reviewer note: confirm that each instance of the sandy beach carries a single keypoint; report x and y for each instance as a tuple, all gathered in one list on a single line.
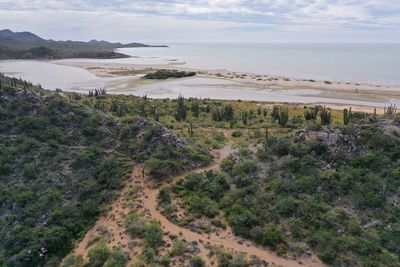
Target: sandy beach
[(101, 69), (364, 97)]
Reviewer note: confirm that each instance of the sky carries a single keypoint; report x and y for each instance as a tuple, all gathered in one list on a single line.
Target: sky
[(166, 21)]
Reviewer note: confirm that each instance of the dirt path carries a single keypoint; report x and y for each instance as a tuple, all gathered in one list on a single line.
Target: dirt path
[(140, 194), (225, 238)]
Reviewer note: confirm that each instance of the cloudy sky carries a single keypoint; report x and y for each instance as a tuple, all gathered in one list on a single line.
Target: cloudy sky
[(207, 20)]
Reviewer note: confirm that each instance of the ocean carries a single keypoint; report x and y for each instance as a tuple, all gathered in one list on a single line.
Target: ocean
[(356, 63)]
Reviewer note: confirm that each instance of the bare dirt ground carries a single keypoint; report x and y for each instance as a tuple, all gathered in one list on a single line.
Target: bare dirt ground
[(140, 194)]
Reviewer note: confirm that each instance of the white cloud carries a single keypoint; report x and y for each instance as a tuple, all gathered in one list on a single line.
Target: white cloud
[(260, 20)]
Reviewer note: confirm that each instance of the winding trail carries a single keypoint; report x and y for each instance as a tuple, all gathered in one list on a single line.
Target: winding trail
[(225, 238), (110, 227)]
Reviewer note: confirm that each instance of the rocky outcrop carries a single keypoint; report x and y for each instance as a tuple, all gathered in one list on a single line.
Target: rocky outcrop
[(158, 134), (334, 138)]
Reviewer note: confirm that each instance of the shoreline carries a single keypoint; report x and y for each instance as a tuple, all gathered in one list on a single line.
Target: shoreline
[(126, 78), (108, 70)]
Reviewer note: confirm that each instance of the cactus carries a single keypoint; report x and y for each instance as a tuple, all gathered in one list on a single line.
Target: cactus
[(390, 110), (311, 114), (275, 113), (180, 114), (195, 108), (190, 129), (283, 116), (346, 116), (326, 116)]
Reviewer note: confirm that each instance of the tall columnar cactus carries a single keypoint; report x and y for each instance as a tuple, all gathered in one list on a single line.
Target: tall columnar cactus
[(326, 116)]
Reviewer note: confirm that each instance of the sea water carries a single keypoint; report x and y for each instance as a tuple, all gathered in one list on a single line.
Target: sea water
[(356, 63)]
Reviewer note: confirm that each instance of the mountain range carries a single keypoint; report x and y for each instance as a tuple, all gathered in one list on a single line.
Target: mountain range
[(27, 45)]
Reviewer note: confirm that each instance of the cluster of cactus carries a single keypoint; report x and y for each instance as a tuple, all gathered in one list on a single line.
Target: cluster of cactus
[(281, 114), (261, 111), (311, 114), (97, 92), (180, 113), (245, 117), (390, 110), (326, 116), (347, 116), (195, 108), (225, 114), (121, 109)]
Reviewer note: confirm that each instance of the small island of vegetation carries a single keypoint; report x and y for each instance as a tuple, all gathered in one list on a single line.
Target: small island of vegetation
[(165, 74)]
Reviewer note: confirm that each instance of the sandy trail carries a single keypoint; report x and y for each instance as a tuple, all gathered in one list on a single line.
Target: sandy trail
[(225, 238), (146, 201)]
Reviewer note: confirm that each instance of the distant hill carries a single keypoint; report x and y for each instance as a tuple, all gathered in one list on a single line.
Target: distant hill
[(20, 36), (26, 45)]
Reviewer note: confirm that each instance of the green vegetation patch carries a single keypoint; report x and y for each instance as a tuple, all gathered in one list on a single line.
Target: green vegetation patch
[(165, 74)]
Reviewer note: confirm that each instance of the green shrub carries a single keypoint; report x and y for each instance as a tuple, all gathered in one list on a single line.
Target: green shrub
[(273, 236), (148, 255), (164, 196), (165, 260), (72, 261), (158, 168), (197, 261), (153, 235), (178, 248), (236, 134), (98, 255), (202, 205), (135, 224), (117, 258)]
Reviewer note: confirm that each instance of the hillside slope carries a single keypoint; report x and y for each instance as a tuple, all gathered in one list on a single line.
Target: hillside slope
[(333, 191), (61, 163)]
